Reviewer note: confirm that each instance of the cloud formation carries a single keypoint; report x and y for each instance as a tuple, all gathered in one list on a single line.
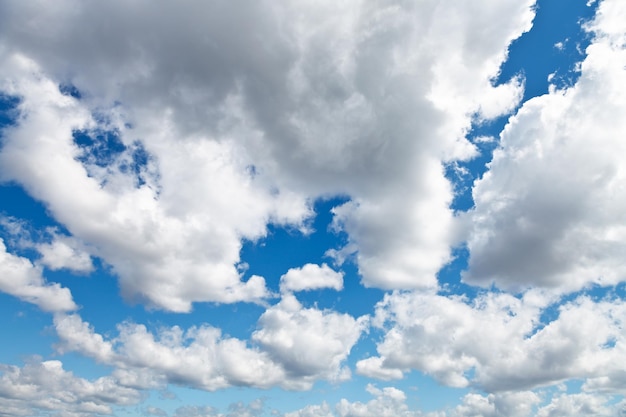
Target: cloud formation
[(20, 278), (163, 138), (260, 138), (293, 347), (498, 342), (550, 210), (45, 385), (311, 277)]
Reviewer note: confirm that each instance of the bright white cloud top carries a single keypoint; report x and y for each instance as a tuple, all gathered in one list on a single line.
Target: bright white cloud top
[(313, 208)]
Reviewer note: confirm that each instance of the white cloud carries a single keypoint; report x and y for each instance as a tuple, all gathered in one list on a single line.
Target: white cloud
[(323, 98), (311, 277), (514, 404), (76, 335), (318, 98), (375, 367), (162, 242), (322, 410), (21, 279), (309, 343), (498, 342), (57, 251), (47, 387), (154, 411), (64, 252), (254, 409), (391, 401), (196, 411), (582, 404), (296, 347), (388, 402), (551, 209)]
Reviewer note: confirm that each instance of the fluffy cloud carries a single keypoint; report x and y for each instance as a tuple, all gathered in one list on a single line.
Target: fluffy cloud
[(200, 357), (76, 335), (551, 209), (20, 278), (387, 402), (47, 387), (188, 135), (246, 127), (296, 347), (499, 342), (391, 401), (57, 251), (161, 242), (579, 405), (515, 404), (311, 277), (309, 343), (254, 409), (64, 252), (322, 410)]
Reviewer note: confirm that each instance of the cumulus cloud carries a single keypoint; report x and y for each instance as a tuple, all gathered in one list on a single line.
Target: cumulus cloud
[(65, 253), (58, 251), (239, 409), (550, 210), (47, 387), (579, 405), (162, 145), (309, 343), (163, 245), (515, 404), (296, 346), (391, 401), (311, 277), (498, 342), (76, 335), (20, 278), (387, 402), (313, 99), (322, 410)]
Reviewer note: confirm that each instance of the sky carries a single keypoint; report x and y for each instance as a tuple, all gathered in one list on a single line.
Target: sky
[(313, 208)]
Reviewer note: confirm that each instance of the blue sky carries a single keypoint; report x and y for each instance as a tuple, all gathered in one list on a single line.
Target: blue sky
[(313, 209)]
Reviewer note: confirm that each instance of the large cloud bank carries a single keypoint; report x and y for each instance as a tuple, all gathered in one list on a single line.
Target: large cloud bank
[(161, 137)]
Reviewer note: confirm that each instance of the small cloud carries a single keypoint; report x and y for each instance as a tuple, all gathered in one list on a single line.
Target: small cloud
[(311, 277), (154, 411), (484, 139)]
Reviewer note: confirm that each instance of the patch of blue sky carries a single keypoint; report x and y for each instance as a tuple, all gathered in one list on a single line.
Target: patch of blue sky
[(282, 249), (8, 110), (22, 217), (554, 45), (100, 147), (105, 149), (25, 329), (69, 89)]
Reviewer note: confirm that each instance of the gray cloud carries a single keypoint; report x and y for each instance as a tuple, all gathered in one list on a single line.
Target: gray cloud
[(361, 99), (550, 210)]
